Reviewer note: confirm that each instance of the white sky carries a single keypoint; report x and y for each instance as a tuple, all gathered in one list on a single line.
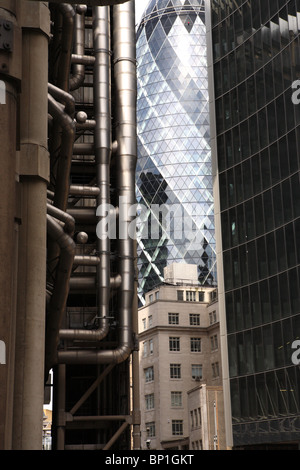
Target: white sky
[(140, 6)]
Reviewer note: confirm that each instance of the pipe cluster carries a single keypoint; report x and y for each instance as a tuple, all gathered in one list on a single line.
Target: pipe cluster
[(112, 65)]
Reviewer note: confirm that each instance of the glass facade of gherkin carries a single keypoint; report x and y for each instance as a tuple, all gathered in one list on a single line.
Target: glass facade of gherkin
[(174, 156)]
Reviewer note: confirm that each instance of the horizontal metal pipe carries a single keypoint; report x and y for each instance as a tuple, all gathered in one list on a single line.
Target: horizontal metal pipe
[(90, 283), (87, 215), (85, 260), (81, 190), (84, 149), (82, 59), (88, 124)]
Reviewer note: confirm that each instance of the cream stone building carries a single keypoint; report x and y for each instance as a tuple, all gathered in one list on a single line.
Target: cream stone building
[(179, 351)]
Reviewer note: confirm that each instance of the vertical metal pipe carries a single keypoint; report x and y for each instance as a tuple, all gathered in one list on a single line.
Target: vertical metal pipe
[(103, 144), (78, 76)]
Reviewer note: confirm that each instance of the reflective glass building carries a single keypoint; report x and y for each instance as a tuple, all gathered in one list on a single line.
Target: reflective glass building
[(174, 157), (254, 65)]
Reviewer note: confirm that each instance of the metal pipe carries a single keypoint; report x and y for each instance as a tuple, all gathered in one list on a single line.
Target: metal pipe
[(125, 90), (89, 282), (102, 150), (64, 97), (64, 217), (66, 151), (79, 71), (61, 289), (82, 59), (66, 45), (83, 149), (85, 260), (80, 190)]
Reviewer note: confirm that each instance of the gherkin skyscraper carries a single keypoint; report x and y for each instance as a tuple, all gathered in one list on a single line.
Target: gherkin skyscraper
[(174, 174)]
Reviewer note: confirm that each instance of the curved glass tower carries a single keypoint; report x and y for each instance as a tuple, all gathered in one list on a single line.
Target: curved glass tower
[(174, 175)]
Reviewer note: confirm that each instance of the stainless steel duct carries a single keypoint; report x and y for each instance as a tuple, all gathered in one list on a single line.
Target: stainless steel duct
[(124, 167)]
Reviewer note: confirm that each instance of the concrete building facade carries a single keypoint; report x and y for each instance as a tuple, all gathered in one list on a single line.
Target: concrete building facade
[(179, 350)]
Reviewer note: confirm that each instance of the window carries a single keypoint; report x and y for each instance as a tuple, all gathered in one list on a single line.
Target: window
[(201, 296), (156, 295), (197, 371), (150, 321), (180, 295), (214, 342), (173, 318), (177, 427), (150, 429), (190, 296), (174, 343), (176, 398), (145, 349), (195, 344), (150, 346), (144, 323), (151, 298), (149, 374), (175, 371), (215, 370), (195, 319), (149, 401), (212, 317)]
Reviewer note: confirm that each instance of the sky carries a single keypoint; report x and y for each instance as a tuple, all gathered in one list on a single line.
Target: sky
[(140, 6)]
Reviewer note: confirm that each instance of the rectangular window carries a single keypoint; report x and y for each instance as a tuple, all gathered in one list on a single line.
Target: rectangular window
[(174, 343), (192, 419), (150, 321), (215, 370), (145, 349), (150, 429), (201, 296), (149, 374), (195, 344), (144, 323), (150, 346), (195, 319), (177, 427), (173, 318), (157, 295), (212, 317), (214, 342), (151, 298), (180, 295), (176, 398), (175, 371), (190, 296), (149, 401), (197, 371)]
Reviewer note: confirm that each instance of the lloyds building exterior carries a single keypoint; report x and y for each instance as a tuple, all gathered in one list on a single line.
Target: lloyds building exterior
[(254, 65), (174, 157)]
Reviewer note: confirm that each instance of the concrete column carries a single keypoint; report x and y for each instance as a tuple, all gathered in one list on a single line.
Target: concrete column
[(9, 84), (34, 174)]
